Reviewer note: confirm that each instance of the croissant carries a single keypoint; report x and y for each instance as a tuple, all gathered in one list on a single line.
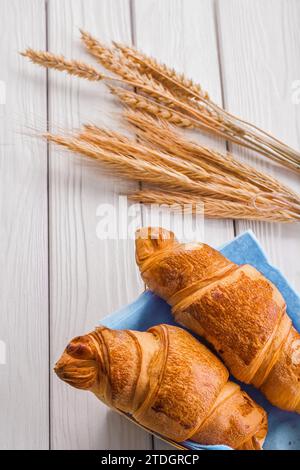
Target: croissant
[(239, 311), (168, 382)]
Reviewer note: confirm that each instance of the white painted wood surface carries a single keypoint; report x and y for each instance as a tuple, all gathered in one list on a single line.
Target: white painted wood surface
[(89, 277), (260, 62), (24, 398), (244, 50)]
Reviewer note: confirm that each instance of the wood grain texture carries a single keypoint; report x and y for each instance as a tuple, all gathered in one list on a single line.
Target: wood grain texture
[(260, 62), (182, 34), (89, 277), (24, 398)]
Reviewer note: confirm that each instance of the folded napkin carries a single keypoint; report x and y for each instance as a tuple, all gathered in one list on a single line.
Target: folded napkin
[(149, 310)]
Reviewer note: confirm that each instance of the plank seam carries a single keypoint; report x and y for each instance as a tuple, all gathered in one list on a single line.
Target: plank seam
[(48, 230), (132, 14), (216, 16)]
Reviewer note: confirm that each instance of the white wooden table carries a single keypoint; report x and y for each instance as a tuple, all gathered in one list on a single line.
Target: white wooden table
[(57, 279)]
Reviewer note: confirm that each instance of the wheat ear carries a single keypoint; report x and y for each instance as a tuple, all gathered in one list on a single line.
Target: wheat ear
[(116, 143), (237, 130), (115, 62), (213, 208), (176, 82), (127, 167), (59, 62), (141, 102), (174, 91)]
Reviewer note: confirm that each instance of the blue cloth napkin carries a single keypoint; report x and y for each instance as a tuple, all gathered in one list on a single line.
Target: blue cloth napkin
[(149, 310)]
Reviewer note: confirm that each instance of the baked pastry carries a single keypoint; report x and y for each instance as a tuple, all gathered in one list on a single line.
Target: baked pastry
[(168, 382), (240, 312)]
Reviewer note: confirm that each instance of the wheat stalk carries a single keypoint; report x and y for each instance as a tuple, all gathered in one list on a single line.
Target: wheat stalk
[(248, 134), (137, 162), (173, 91), (132, 160), (180, 171), (190, 117), (181, 86), (213, 208), (155, 132), (192, 169), (94, 130)]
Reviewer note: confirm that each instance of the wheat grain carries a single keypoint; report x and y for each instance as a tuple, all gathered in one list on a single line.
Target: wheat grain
[(140, 102)]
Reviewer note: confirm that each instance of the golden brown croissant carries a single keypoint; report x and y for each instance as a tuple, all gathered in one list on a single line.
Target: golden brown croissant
[(240, 312), (168, 382)]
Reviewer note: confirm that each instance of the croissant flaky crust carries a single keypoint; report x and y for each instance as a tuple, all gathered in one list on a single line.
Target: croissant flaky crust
[(239, 311), (168, 382)]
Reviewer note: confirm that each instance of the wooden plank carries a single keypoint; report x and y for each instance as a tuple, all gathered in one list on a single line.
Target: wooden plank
[(182, 34), (89, 277), (24, 398), (260, 64)]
